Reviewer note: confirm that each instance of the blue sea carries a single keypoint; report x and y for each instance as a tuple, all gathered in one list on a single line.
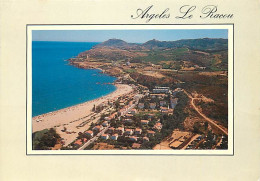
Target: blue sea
[(57, 85)]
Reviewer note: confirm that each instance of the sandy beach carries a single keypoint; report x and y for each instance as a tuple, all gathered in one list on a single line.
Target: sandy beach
[(75, 118)]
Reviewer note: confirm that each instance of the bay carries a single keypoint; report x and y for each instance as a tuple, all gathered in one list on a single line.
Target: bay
[(57, 85)]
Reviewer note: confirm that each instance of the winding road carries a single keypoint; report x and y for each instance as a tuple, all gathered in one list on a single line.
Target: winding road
[(212, 122)]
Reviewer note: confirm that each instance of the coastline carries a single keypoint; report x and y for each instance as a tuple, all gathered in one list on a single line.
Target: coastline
[(72, 117)]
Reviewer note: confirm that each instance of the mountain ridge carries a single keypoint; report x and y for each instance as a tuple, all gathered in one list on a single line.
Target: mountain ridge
[(205, 44)]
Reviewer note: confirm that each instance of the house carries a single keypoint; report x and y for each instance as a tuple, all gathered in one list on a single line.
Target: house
[(104, 136), (121, 102), (79, 141), (114, 136), (107, 119), (141, 105), (144, 122), (158, 126), (173, 102), (136, 145), (138, 131), (162, 103), (133, 111), (150, 116), (152, 105), (133, 138), (128, 131), (166, 110), (112, 116), (128, 120), (150, 133), (89, 133), (111, 130), (97, 128), (163, 109), (129, 115), (105, 124), (145, 139), (120, 130)]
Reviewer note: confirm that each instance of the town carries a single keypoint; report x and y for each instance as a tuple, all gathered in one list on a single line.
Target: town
[(142, 120)]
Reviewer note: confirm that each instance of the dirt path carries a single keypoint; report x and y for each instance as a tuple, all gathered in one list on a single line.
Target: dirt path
[(223, 130)]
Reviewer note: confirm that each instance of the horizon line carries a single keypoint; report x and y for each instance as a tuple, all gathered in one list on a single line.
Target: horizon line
[(126, 41)]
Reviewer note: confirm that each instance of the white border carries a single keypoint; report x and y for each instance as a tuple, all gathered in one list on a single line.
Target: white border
[(29, 150)]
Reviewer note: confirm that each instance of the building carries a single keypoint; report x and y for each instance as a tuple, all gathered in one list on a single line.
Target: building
[(138, 131), (79, 142), (145, 139), (163, 103), (128, 120), (173, 102), (114, 136), (141, 105), (150, 133), (133, 111), (158, 95), (121, 102), (89, 133), (176, 91), (128, 131), (105, 124), (144, 122), (133, 138), (158, 126), (120, 130), (129, 115), (98, 128), (107, 119), (104, 136), (161, 90), (152, 105), (136, 145), (111, 130)]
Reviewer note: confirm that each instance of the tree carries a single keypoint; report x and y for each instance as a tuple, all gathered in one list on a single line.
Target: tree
[(94, 108), (45, 139)]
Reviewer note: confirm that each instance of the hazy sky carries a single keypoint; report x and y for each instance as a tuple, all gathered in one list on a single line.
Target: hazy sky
[(131, 36)]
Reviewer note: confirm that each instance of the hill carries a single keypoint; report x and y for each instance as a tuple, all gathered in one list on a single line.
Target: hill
[(206, 52), (205, 44)]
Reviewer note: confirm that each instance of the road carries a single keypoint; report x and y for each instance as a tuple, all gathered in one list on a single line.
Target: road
[(212, 122), (93, 139), (104, 130)]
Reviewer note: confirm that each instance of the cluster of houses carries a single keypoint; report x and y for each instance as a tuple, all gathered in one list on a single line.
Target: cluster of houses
[(165, 105), (129, 106), (113, 133)]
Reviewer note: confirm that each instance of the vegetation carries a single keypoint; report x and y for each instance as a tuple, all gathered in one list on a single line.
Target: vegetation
[(45, 139)]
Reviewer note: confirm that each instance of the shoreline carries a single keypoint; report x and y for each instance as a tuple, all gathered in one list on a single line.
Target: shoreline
[(113, 95), (52, 112), (76, 118)]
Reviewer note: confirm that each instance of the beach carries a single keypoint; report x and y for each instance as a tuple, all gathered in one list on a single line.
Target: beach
[(76, 118)]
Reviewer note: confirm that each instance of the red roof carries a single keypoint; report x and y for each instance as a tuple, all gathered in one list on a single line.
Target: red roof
[(151, 132), (136, 145), (144, 121)]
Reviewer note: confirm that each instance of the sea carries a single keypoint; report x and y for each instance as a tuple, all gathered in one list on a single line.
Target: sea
[(56, 84)]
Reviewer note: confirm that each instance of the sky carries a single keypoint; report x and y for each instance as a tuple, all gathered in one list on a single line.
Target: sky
[(130, 36)]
